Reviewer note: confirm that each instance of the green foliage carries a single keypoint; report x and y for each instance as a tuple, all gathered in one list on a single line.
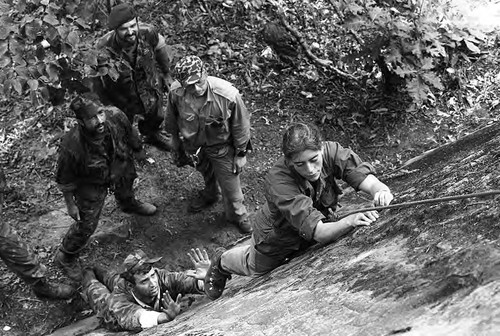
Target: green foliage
[(409, 43), (44, 48), (413, 42)]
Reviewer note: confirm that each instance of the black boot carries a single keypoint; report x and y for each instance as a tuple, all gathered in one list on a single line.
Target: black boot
[(70, 265), (216, 278), (202, 201), (139, 208), (56, 291)]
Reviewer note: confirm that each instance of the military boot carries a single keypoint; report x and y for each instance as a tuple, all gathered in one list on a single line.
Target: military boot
[(202, 201), (216, 277), (70, 265), (139, 208), (49, 290)]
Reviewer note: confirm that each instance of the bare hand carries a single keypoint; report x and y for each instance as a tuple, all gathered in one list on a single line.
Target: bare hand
[(73, 211), (238, 163), (383, 197), (201, 263), (170, 307), (363, 218)]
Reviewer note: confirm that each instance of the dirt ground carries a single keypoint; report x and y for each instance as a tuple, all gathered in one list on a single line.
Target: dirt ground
[(35, 208), (170, 233)]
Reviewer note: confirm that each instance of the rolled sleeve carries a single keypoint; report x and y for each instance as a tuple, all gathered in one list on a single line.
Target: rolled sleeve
[(308, 225), (346, 164)]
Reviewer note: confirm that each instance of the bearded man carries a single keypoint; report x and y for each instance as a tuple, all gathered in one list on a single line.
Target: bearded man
[(143, 73), (96, 157)]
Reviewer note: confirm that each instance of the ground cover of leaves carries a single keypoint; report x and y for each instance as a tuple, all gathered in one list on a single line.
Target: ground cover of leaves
[(374, 124)]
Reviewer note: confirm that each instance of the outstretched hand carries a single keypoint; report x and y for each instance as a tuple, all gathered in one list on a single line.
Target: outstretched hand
[(170, 307), (201, 263)]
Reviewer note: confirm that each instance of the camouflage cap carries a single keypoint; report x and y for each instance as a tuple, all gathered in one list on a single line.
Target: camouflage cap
[(189, 70), (135, 260)]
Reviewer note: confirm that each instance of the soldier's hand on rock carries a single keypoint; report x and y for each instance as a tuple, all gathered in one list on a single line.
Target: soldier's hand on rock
[(363, 218), (170, 307), (201, 263), (383, 197)]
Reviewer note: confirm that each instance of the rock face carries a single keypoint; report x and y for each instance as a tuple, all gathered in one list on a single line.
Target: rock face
[(424, 270)]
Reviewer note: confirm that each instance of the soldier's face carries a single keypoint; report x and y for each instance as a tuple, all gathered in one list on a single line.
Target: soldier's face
[(147, 285), (199, 88), (95, 124), (308, 164), (127, 32)]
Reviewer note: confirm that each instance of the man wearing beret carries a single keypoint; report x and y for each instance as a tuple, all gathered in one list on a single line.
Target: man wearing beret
[(20, 260), (210, 117), (143, 74), (141, 296), (96, 157)]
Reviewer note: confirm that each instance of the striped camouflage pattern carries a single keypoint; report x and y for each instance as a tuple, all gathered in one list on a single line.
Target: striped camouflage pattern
[(117, 308)]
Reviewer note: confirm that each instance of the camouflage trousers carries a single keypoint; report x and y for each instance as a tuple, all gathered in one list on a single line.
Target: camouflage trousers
[(97, 295), (216, 166), (90, 200), (17, 256)]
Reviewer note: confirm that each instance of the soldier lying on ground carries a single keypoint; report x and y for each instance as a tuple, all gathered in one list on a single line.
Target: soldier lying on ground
[(141, 296), (300, 192), (20, 260), (96, 157), (143, 76)]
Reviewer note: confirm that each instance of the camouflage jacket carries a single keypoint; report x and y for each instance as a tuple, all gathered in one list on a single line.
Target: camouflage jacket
[(76, 165), (222, 119), (143, 73), (123, 311)]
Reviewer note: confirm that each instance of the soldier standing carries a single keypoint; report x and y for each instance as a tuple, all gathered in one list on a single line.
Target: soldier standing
[(96, 156), (143, 74), (209, 122)]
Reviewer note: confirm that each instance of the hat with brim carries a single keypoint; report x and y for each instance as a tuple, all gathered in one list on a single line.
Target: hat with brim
[(189, 70), (135, 260)]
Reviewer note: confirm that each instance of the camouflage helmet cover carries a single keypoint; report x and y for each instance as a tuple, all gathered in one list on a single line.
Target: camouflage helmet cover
[(189, 70), (135, 260)]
